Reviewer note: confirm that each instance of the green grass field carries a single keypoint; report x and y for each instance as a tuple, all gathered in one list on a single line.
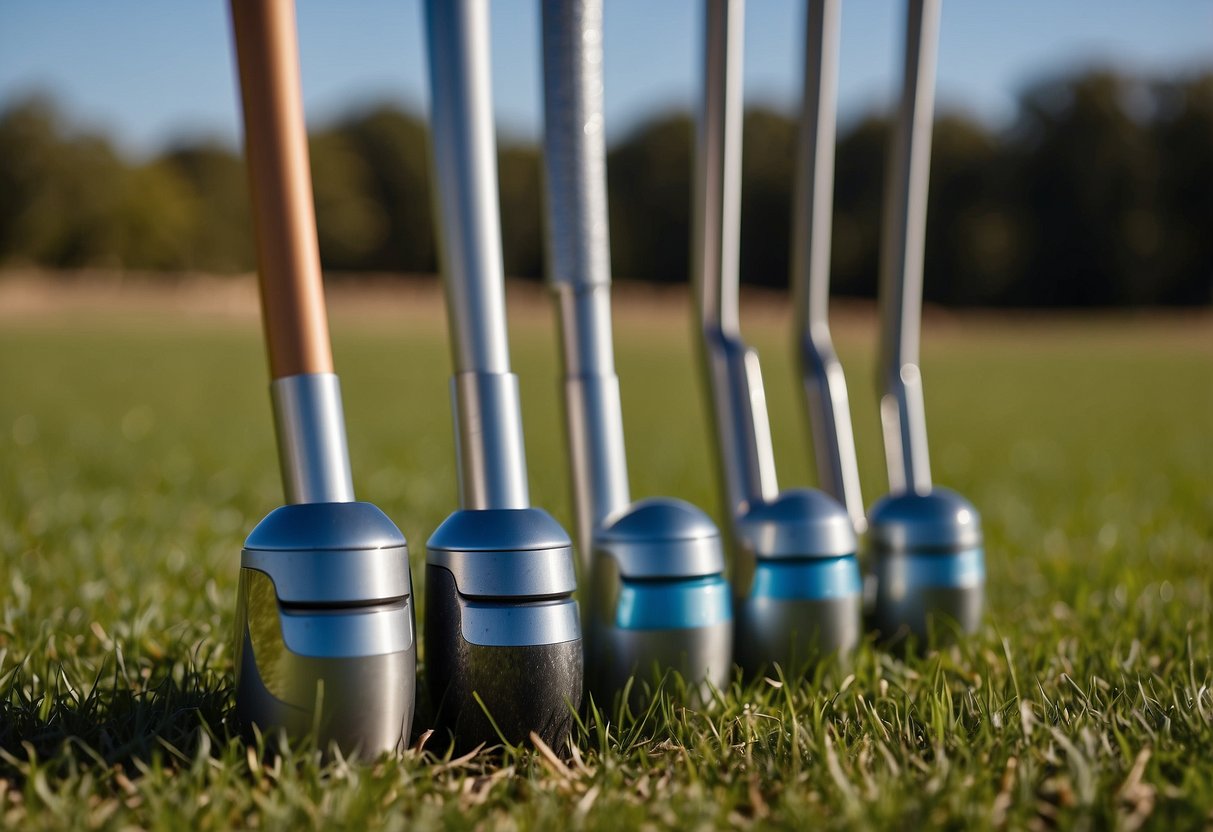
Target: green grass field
[(136, 453)]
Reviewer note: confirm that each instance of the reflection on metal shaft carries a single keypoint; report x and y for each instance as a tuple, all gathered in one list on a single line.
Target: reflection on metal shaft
[(489, 442), (825, 385), (734, 379), (905, 217)]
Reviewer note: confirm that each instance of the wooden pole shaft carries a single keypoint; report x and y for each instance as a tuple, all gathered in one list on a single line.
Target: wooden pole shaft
[(288, 254)]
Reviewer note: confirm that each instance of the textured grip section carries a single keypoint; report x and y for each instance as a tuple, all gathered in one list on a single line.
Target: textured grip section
[(574, 153), (523, 689)]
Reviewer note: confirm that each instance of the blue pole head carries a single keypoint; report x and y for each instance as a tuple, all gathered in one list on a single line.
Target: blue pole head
[(798, 591)]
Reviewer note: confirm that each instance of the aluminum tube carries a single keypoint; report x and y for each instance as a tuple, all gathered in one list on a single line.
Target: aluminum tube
[(902, 410), (312, 450), (825, 384), (579, 257), (732, 372), (488, 423)]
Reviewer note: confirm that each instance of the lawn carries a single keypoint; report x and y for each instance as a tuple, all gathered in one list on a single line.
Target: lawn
[(136, 452)]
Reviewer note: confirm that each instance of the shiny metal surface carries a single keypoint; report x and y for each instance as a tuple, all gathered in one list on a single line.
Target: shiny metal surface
[(344, 672), (664, 541), (734, 379), (825, 384), (927, 595), (321, 527), (925, 542), (504, 553), (530, 683), (767, 525), (311, 429), (702, 656), (325, 634), (940, 521), (795, 633), (902, 410), (799, 523), (661, 538), (465, 172), (357, 576), (489, 445), (574, 157), (519, 659), (490, 624), (312, 450)]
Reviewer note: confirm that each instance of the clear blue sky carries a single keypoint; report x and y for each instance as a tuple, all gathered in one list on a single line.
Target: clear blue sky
[(149, 72)]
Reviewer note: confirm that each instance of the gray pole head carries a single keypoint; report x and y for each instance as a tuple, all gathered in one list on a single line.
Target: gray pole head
[(825, 384), (502, 631), (925, 541), (658, 599), (795, 576), (325, 640), (325, 634), (503, 634)]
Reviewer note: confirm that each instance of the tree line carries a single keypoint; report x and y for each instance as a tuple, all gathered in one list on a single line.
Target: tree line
[(1100, 193)]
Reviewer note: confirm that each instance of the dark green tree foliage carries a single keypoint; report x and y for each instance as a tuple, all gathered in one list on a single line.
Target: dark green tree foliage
[(221, 237), (649, 182), (1101, 193)]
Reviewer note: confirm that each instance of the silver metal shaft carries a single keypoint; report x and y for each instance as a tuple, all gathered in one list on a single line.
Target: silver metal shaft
[(825, 384), (312, 448), (580, 260), (734, 377), (902, 411), (488, 423)]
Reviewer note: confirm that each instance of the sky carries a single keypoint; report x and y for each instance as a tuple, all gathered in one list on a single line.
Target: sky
[(150, 74)]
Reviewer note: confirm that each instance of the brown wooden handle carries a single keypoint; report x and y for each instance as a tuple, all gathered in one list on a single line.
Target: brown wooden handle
[(288, 254)]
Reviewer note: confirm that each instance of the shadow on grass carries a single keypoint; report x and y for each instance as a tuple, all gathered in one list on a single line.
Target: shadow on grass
[(164, 710)]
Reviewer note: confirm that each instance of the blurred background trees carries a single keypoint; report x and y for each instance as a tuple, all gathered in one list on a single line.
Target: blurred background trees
[(1100, 194)]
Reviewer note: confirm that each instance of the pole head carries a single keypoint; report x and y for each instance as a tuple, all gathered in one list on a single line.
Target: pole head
[(325, 636), (928, 560), (798, 591), (502, 631), (659, 601)]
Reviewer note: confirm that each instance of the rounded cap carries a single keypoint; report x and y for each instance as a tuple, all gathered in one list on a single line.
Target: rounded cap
[(660, 518), (330, 553), (663, 538), (799, 523), (939, 521), (499, 530), (504, 553), (315, 527)]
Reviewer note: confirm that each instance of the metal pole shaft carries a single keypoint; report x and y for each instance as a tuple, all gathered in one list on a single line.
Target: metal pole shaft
[(902, 410), (489, 444), (306, 397), (825, 385), (732, 371), (579, 251)]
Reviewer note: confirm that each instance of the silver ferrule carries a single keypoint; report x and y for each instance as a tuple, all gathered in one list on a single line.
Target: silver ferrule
[(733, 375), (488, 441), (901, 407), (579, 247), (465, 169), (825, 384), (593, 414), (312, 449)]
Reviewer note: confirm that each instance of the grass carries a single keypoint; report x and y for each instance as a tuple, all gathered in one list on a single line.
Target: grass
[(136, 453)]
